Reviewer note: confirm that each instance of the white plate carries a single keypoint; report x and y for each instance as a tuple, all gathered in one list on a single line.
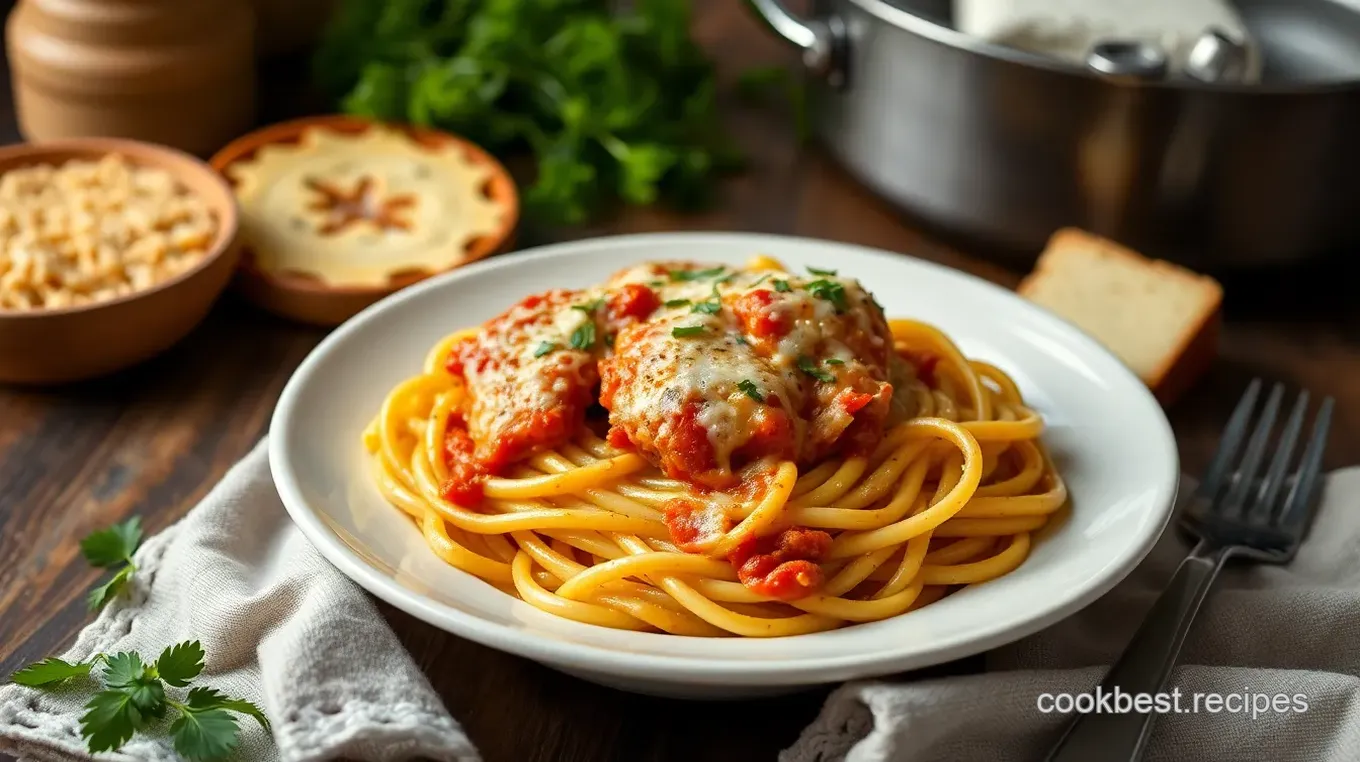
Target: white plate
[(1108, 436)]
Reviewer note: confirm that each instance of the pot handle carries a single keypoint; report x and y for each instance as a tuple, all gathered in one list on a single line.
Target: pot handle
[(822, 40)]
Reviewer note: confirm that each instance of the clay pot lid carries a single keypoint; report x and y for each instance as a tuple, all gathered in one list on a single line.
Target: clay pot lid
[(338, 211)]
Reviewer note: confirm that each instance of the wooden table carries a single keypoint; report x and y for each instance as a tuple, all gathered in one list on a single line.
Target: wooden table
[(153, 440)]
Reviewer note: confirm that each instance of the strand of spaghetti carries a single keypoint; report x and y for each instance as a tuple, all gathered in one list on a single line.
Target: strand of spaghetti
[(576, 480), (980, 571), (1029, 427), (855, 572), (590, 613), (906, 328), (837, 484), (1042, 504), (908, 568), (718, 616), (640, 565), (881, 481), (959, 551), (1031, 470), (855, 543), (989, 527), (812, 479), (908, 488), (861, 611), (768, 510), (436, 433), (725, 591), (1010, 393)]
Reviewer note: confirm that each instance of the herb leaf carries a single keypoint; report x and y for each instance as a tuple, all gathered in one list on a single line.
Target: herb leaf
[(782, 286), (678, 303), (584, 336), (211, 698), (123, 669), (50, 671), (752, 391), (826, 273), (101, 595), (687, 276), (589, 307), (831, 291), (110, 721), (544, 348), (204, 734), (181, 663), (808, 366), (113, 546), (760, 280), (834, 361), (711, 307), (681, 331)]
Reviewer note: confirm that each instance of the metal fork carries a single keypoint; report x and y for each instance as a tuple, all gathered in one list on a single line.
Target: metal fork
[(1233, 513)]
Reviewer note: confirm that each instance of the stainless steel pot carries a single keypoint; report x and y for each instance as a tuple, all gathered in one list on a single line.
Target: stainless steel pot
[(1005, 146)]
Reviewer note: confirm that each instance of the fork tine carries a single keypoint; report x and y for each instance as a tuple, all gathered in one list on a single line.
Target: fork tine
[(1300, 504), (1251, 461), (1275, 476), (1232, 439)]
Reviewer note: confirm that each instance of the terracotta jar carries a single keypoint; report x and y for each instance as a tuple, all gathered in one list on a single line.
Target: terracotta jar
[(165, 71)]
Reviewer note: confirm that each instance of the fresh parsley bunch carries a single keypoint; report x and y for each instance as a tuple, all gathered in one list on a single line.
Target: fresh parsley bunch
[(135, 696), (614, 103)]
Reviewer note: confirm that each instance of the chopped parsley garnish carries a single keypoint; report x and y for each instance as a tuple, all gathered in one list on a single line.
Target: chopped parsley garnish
[(752, 391), (834, 361), (716, 293), (583, 337), (681, 331), (782, 286), (808, 366), (544, 348), (589, 307), (829, 290), (739, 339), (708, 308), (761, 280), (657, 284), (678, 303), (609, 339), (685, 276), (815, 271)]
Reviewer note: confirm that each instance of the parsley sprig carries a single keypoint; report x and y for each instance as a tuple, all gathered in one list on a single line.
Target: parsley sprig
[(688, 276), (135, 695), (112, 548), (809, 366), (831, 291), (749, 387)]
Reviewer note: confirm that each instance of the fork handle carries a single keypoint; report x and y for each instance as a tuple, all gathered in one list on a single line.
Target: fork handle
[(1144, 667)]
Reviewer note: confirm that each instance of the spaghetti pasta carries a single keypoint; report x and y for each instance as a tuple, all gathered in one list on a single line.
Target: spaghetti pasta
[(948, 493)]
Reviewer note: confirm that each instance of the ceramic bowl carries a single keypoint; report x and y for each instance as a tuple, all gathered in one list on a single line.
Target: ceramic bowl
[(308, 299), (49, 346)]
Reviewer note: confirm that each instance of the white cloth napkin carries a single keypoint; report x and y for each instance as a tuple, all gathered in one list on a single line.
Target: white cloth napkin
[(1268, 630), (281, 627)]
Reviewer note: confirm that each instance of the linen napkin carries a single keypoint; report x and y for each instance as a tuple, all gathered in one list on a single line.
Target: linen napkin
[(1269, 631), (281, 627)]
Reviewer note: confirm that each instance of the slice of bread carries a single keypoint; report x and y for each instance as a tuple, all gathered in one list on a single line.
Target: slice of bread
[(1160, 319)]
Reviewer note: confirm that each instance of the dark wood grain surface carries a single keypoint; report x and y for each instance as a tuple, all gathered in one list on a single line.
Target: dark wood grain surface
[(153, 440)]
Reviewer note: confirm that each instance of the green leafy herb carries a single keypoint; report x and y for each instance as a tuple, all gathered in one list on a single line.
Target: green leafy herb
[(752, 391), (834, 361), (51, 671), (681, 331), (657, 284), (678, 303), (615, 101), (824, 273), (711, 307), (544, 348), (831, 291), (782, 286), (740, 339), (686, 276), (134, 695), (609, 339), (760, 280), (808, 366), (584, 336), (112, 548), (589, 307)]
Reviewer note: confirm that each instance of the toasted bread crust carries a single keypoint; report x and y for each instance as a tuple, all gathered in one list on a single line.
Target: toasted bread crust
[(1194, 348)]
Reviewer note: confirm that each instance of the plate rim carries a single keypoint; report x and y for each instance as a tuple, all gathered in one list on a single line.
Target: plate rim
[(692, 669)]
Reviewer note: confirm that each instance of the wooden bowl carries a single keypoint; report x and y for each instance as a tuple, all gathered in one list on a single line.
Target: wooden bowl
[(309, 300), (49, 346)]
